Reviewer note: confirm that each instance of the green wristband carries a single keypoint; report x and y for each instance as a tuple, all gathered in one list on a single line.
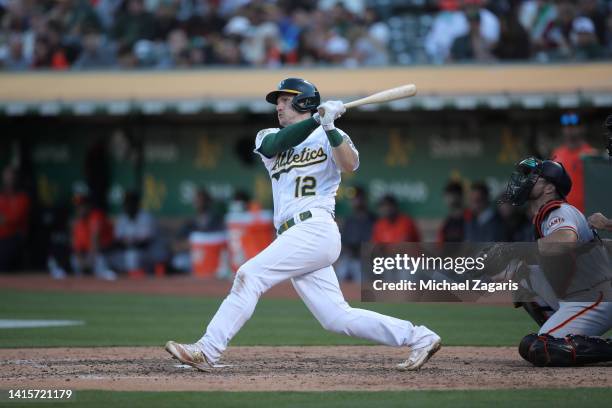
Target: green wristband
[(334, 137)]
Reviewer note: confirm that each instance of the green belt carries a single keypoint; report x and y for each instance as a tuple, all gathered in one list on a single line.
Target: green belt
[(291, 222)]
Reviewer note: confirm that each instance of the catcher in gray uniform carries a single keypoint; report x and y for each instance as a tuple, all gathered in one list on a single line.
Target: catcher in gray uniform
[(571, 262)]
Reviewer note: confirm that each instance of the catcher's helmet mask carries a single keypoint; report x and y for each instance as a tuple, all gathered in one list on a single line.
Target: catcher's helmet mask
[(306, 98), (526, 175)]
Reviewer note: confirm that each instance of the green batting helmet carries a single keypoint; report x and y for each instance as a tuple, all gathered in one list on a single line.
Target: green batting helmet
[(306, 97)]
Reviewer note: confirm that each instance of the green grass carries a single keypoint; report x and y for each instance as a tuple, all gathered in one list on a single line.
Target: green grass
[(151, 320), (557, 398), (130, 319)]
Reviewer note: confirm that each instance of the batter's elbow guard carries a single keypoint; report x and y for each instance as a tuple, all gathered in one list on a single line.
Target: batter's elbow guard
[(573, 350)]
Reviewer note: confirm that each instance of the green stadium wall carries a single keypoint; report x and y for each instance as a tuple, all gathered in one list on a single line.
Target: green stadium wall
[(409, 154)]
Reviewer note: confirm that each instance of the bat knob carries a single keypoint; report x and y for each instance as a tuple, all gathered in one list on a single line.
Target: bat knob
[(321, 111)]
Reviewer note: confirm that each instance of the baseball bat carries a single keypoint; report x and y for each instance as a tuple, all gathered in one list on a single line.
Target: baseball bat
[(388, 95)]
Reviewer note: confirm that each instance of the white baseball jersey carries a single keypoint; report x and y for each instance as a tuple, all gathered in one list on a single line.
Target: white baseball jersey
[(591, 318), (591, 265), (567, 217), (303, 177)]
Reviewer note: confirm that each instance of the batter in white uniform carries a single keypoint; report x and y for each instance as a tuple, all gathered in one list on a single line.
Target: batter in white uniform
[(304, 159)]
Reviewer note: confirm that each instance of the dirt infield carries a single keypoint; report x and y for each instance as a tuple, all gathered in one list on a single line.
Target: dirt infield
[(265, 368), (285, 368)]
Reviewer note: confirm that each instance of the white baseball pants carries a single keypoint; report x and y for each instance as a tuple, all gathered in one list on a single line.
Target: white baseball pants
[(304, 253)]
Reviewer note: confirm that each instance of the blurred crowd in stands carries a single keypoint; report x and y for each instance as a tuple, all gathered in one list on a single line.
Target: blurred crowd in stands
[(83, 238), (165, 34)]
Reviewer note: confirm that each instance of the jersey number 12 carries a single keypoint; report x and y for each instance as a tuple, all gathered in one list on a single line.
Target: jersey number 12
[(305, 186)]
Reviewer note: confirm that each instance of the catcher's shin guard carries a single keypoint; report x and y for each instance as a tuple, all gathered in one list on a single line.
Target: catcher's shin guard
[(525, 344), (591, 349), (572, 350)]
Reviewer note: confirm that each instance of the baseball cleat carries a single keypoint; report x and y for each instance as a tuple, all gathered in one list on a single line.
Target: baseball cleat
[(420, 356), (189, 354)]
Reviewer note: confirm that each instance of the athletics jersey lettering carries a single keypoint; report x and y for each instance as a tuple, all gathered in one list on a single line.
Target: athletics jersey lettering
[(288, 160), (303, 177)]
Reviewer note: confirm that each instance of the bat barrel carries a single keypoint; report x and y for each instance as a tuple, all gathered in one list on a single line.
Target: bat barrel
[(388, 95)]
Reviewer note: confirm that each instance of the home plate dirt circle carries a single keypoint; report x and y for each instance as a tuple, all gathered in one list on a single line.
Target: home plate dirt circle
[(363, 368)]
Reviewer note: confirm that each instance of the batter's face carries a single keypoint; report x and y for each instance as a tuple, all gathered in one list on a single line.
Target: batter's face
[(285, 112)]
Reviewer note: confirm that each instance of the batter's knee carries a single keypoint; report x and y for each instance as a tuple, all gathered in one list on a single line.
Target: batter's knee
[(328, 325), (248, 278), (333, 325), (338, 323)]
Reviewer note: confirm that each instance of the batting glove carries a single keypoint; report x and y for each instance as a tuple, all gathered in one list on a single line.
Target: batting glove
[(330, 111)]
